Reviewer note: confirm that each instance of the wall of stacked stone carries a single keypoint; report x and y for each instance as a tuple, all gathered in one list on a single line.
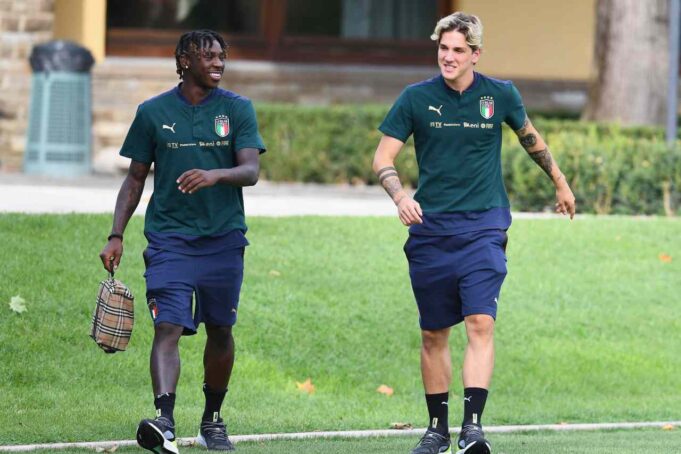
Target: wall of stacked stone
[(23, 24), (120, 84)]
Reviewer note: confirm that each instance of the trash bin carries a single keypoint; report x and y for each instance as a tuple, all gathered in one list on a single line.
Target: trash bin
[(60, 119)]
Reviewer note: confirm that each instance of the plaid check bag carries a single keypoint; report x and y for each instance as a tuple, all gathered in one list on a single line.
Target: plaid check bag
[(114, 316)]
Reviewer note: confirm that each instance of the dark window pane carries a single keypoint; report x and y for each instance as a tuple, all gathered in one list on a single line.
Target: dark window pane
[(313, 17), (362, 19), (230, 16)]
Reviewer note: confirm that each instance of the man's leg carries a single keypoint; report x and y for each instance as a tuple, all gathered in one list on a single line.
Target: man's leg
[(436, 371), (165, 358), (218, 360), (158, 435), (478, 362), (478, 365), (436, 362)]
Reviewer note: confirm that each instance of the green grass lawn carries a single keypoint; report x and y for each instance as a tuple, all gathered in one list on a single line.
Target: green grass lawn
[(600, 442), (589, 330)]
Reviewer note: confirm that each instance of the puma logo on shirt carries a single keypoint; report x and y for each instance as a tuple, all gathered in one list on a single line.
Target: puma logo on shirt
[(436, 109)]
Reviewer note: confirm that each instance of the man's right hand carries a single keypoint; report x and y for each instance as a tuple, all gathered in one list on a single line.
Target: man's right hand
[(111, 254), (409, 211)]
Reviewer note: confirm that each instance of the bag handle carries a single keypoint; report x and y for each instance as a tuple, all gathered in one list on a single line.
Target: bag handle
[(111, 267)]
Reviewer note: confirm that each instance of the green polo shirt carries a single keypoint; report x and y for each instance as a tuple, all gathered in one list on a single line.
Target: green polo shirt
[(457, 137), (176, 136)]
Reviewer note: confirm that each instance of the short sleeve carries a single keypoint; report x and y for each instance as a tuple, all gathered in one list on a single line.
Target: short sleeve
[(139, 144), (246, 134), (516, 115), (398, 123)]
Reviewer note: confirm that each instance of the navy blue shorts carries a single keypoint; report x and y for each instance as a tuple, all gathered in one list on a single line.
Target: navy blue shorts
[(214, 280), (456, 276)]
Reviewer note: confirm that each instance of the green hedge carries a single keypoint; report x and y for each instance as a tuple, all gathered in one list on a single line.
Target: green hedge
[(613, 170)]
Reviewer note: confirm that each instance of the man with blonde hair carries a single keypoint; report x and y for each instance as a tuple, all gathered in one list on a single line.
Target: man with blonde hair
[(458, 217)]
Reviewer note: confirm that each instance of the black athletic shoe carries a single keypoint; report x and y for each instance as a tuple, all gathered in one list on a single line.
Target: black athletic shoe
[(433, 443), (213, 435), (472, 441), (157, 435)]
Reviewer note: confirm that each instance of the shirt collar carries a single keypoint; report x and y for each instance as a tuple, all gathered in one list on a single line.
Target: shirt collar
[(205, 101)]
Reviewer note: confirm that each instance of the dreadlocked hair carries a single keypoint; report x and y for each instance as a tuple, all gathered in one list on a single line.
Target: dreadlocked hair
[(192, 42)]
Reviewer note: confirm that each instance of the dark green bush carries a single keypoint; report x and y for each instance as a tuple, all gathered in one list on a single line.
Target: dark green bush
[(612, 170)]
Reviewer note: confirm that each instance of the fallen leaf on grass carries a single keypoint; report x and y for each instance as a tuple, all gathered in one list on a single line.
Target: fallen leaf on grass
[(665, 258), (401, 426), (275, 273), (109, 449), (384, 389), (17, 304), (306, 386), (668, 427)]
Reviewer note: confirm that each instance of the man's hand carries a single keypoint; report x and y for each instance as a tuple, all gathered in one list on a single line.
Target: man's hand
[(195, 179), (565, 200), (409, 211), (111, 254)]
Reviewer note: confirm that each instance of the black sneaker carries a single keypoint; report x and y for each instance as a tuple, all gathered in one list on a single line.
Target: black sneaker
[(472, 441), (157, 435), (433, 443), (213, 436)]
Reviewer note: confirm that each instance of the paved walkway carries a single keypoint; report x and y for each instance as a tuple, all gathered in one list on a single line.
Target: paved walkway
[(97, 194), (92, 194)]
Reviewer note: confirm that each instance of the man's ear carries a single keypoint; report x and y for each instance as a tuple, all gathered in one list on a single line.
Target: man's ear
[(184, 60), (476, 55)]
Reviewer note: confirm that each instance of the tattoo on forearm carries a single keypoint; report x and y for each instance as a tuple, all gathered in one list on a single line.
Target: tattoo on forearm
[(386, 175), (528, 141), (392, 186), (390, 180), (380, 173), (543, 159), (129, 196), (127, 202)]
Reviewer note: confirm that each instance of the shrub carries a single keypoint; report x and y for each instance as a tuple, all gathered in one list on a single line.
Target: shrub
[(613, 170)]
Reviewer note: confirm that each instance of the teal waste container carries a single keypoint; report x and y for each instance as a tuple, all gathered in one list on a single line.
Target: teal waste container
[(60, 115)]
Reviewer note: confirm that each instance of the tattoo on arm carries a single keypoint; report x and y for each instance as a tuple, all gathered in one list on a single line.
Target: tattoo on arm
[(129, 196), (386, 175), (390, 180), (380, 173), (543, 159), (528, 141)]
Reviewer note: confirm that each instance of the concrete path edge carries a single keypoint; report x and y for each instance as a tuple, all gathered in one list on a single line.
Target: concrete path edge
[(103, 445)]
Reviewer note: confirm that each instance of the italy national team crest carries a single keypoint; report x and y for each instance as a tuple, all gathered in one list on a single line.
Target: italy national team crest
[(487, 107), (222, 125), (151, 303)]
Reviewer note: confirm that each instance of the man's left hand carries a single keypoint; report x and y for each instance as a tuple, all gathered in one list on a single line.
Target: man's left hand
[(195, 179), (565, 200)]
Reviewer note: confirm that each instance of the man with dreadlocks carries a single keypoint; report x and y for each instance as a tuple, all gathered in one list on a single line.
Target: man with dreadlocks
[(205, 146)]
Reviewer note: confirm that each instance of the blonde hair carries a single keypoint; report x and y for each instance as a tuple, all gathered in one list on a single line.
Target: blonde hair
[(467, 24)]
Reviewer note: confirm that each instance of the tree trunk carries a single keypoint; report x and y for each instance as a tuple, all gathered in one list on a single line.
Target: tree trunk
[(629, 81)]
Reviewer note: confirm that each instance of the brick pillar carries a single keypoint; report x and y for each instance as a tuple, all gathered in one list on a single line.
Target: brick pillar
[(23, 24)]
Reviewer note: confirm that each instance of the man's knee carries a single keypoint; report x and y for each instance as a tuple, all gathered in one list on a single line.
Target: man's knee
[(435, 339), (167, 332), (479, 326), (219, 335)]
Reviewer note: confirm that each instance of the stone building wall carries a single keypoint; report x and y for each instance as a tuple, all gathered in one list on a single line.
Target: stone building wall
[(120, 84), (23, 24)]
